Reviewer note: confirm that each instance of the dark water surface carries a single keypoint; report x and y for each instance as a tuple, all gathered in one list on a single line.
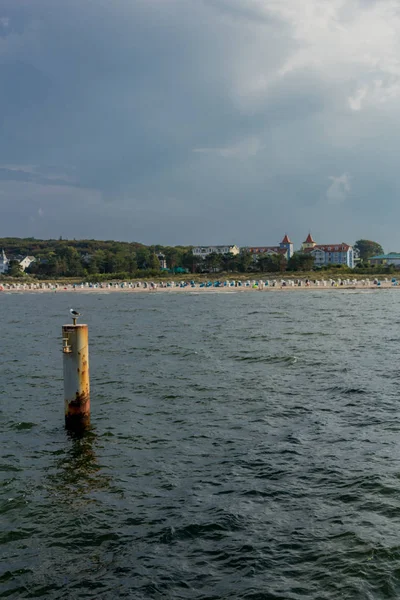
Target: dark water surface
[(243, 446)]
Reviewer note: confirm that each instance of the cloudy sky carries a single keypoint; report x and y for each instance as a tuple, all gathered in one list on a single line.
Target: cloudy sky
[(200, 121)]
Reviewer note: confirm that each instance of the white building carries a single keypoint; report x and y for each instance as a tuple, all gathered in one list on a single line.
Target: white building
[(329, 254), (162, 260), (4, 262), (25, 262), (203, 251)]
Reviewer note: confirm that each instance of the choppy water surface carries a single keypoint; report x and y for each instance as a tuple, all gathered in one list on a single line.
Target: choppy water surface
[(243, 446)]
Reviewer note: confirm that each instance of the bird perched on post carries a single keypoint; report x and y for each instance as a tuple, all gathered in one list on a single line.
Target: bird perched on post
[(75, 314)]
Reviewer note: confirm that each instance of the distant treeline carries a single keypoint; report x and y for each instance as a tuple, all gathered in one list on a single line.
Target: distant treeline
[(94, 258), (79, 258)]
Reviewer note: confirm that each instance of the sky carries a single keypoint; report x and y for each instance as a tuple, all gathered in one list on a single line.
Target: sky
[(200, 121)]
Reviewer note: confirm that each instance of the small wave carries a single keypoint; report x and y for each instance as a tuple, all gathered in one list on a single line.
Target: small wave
[(8, 467), (23, 426), (9, 575), (314, 333), (347, 390), (16, 535), (260, 337), (289, 360), (113, 382), (257, 595), (184, 352), (212, 530), (269, 473), (256, 494)]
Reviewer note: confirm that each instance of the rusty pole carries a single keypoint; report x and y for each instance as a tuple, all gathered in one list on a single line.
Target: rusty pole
[(76, 376)]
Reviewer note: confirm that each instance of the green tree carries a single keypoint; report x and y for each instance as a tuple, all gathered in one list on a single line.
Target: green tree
[(154, 263), (143, 257), (192, 262), (173, 257), (15, 269), (245, 261), (270, 263), (300, 261), (50, 266), (230, 262), (283, 263), (213, 261), (368, 248), (98, 259), (132, 263), (69, 261), (93, 266)]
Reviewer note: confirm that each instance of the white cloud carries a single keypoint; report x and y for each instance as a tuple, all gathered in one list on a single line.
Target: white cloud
[(377, 93), (4, 22), (356, 101), (339, 189), (343, 42), (30, 169), (244, 149)]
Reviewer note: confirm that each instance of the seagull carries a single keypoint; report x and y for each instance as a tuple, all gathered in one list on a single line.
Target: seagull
[(74, 313)]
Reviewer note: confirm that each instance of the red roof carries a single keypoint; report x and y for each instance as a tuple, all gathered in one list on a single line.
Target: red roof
[(286, 240), (329, 248), (309, 239), (264, 249)]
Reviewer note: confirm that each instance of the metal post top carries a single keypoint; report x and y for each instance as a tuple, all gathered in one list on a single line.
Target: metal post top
[(76, 326)]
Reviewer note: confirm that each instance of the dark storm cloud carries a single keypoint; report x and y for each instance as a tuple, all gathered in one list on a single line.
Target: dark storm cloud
[(197, 120)]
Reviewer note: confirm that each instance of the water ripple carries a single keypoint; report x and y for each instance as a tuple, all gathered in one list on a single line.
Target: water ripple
[(242, 446)]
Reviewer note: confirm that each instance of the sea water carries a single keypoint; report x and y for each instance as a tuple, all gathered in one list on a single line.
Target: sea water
[(242, 446)]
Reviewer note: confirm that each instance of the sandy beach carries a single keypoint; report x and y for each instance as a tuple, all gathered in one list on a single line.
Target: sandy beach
[(229, 286)]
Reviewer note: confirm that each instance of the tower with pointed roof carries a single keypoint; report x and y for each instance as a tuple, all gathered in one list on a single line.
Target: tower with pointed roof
[(3, 262), (287, 245), (309, 244)]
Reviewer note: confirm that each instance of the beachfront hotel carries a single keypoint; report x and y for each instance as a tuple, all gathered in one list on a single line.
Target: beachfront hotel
[(323, 254), (329, 254), (285, 248)]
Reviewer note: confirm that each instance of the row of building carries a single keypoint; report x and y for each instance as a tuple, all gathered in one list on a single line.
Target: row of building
[(323, 254)]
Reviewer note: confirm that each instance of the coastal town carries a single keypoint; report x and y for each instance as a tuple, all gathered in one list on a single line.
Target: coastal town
[(66, 258), (323, 254)]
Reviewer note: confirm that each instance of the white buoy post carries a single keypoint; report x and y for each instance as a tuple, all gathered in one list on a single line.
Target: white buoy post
[(76, 376)]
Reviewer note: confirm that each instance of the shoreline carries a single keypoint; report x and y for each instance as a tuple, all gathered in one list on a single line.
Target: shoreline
[(133, 288)]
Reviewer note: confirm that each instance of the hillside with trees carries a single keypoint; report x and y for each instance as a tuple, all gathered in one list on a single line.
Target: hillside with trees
[(96, 260), (85, 258)]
